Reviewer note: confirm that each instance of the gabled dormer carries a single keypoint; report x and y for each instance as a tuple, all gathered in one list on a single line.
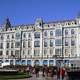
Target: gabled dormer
[(39, 23)]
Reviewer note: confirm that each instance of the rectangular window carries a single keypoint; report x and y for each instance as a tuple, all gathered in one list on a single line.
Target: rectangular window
[(24, 35), (29, 43), (58, 42), (12, 36), (29, 35), (1, 37), (66, 42), (1, 53), (45, 43), (24, 44), (58, 32), (36, 43), (1, 45), (17, 53), (45, 33), (12, 53), (51, 33), (7, 52), (45, 51), (8, 37), (66, 52), (51, 43), (18, 35), (51, 51), (58, 52), (72, 31), (7, 45), (37, 34), (73, 52), (36, 52), (66, 32), (12, 45), (72, 42), (17, 44), (29, 52), (23, 52)]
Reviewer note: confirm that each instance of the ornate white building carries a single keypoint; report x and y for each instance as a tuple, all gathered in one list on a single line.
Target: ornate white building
[(41, 43)]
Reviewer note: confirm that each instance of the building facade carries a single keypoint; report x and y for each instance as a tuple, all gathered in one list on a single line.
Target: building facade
[(41, 43)]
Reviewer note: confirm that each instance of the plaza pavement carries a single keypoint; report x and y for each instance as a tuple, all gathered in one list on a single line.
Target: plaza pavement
[(43, 78)]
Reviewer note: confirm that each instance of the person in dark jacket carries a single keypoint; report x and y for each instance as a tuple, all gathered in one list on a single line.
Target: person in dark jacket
[(37, 71), (58, 73)]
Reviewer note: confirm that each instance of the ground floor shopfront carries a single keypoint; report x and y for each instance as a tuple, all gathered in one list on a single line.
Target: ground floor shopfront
[(41, 62)]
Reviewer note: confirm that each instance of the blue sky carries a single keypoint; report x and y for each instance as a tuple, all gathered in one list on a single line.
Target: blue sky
[(26, 11)]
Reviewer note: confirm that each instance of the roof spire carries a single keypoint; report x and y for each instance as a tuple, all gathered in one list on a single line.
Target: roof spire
[(7, 24)]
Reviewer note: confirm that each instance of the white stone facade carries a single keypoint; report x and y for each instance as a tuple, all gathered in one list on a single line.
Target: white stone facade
[(41, 43)]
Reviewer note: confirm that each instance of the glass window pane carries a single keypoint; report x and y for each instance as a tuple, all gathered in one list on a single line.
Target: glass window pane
[(45, 33), (37, 44), (58, 51), (17, 44), (37, 34), (58, 32), (51, 43), (45, 43), (58, 42), (72, 31), (1, 45), (51, 33), (66, 32)]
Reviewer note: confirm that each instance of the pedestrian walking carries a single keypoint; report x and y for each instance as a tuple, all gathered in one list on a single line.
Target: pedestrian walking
[(58, 73), (37, 71), (62, 73), (43, 70)]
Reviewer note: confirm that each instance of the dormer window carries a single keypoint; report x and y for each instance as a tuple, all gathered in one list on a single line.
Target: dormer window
[(39, 24)]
